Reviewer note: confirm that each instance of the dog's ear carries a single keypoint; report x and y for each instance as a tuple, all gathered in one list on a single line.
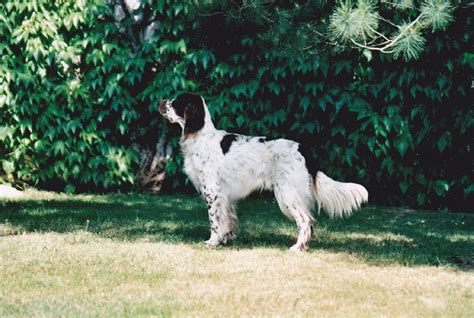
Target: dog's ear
[(194, 118), (191, 108)]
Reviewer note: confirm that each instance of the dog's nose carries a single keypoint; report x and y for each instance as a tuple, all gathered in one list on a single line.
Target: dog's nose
[(162, 106)]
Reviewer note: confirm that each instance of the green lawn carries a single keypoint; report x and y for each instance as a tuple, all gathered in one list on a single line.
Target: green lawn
[(129, 255)]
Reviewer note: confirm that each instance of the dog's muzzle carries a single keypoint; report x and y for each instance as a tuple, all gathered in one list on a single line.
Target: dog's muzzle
[(162, 106)]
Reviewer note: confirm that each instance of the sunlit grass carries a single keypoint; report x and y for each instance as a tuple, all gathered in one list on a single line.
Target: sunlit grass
[(129, 255)]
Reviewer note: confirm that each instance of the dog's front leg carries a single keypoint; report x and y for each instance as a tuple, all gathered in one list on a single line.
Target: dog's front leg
[(218, 206)]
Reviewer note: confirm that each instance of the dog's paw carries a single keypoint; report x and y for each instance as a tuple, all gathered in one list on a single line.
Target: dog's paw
[(229, 237), (299, 248), (212, 242)]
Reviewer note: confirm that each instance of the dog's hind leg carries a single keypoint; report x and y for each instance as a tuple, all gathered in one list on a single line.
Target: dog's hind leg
[(233, 222), (295, 208), (305, 227)]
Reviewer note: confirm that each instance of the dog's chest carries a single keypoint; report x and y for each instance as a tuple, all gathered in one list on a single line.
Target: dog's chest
[(200, 162)]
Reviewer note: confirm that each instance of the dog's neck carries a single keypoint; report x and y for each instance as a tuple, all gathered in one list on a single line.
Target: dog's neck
[(208, 124)]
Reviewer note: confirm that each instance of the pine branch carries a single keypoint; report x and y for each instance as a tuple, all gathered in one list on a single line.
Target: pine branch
[(358, 26), (390, 43)]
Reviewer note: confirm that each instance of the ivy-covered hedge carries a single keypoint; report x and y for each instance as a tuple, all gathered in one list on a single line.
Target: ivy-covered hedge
[(75, 96)]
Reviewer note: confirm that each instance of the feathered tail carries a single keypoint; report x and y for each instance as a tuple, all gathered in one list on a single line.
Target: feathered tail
[(338, 199)]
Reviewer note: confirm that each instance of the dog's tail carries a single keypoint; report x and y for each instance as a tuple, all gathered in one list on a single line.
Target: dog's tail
[(338, 199)]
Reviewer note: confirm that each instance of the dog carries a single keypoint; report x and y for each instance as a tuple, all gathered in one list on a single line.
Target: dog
[(225, 167)]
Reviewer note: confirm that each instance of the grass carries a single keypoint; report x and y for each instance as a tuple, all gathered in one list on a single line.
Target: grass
[(141, 255)]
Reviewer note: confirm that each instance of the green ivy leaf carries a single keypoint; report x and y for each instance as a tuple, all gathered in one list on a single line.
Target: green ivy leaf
[(443, 141), (441, 187), (404, 186), (304, 103), (402, 146)]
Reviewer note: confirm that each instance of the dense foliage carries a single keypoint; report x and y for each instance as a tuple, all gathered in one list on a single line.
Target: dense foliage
[(75, 95), (65, 112)]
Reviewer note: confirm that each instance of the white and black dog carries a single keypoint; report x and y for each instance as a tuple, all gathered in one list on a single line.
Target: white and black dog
[(226, 167)]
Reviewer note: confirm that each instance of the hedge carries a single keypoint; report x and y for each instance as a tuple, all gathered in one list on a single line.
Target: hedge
[(75, 96)]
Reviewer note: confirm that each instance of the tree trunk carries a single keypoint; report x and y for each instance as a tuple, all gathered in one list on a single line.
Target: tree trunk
[(153, 160)]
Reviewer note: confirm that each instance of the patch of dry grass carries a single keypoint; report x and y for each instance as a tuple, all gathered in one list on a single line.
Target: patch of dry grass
[(142, 256)]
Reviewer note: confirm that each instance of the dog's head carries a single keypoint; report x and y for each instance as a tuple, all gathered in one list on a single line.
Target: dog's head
[(188, 110)]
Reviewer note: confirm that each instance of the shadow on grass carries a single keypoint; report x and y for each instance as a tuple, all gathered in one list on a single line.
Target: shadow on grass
[(378, 235)]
